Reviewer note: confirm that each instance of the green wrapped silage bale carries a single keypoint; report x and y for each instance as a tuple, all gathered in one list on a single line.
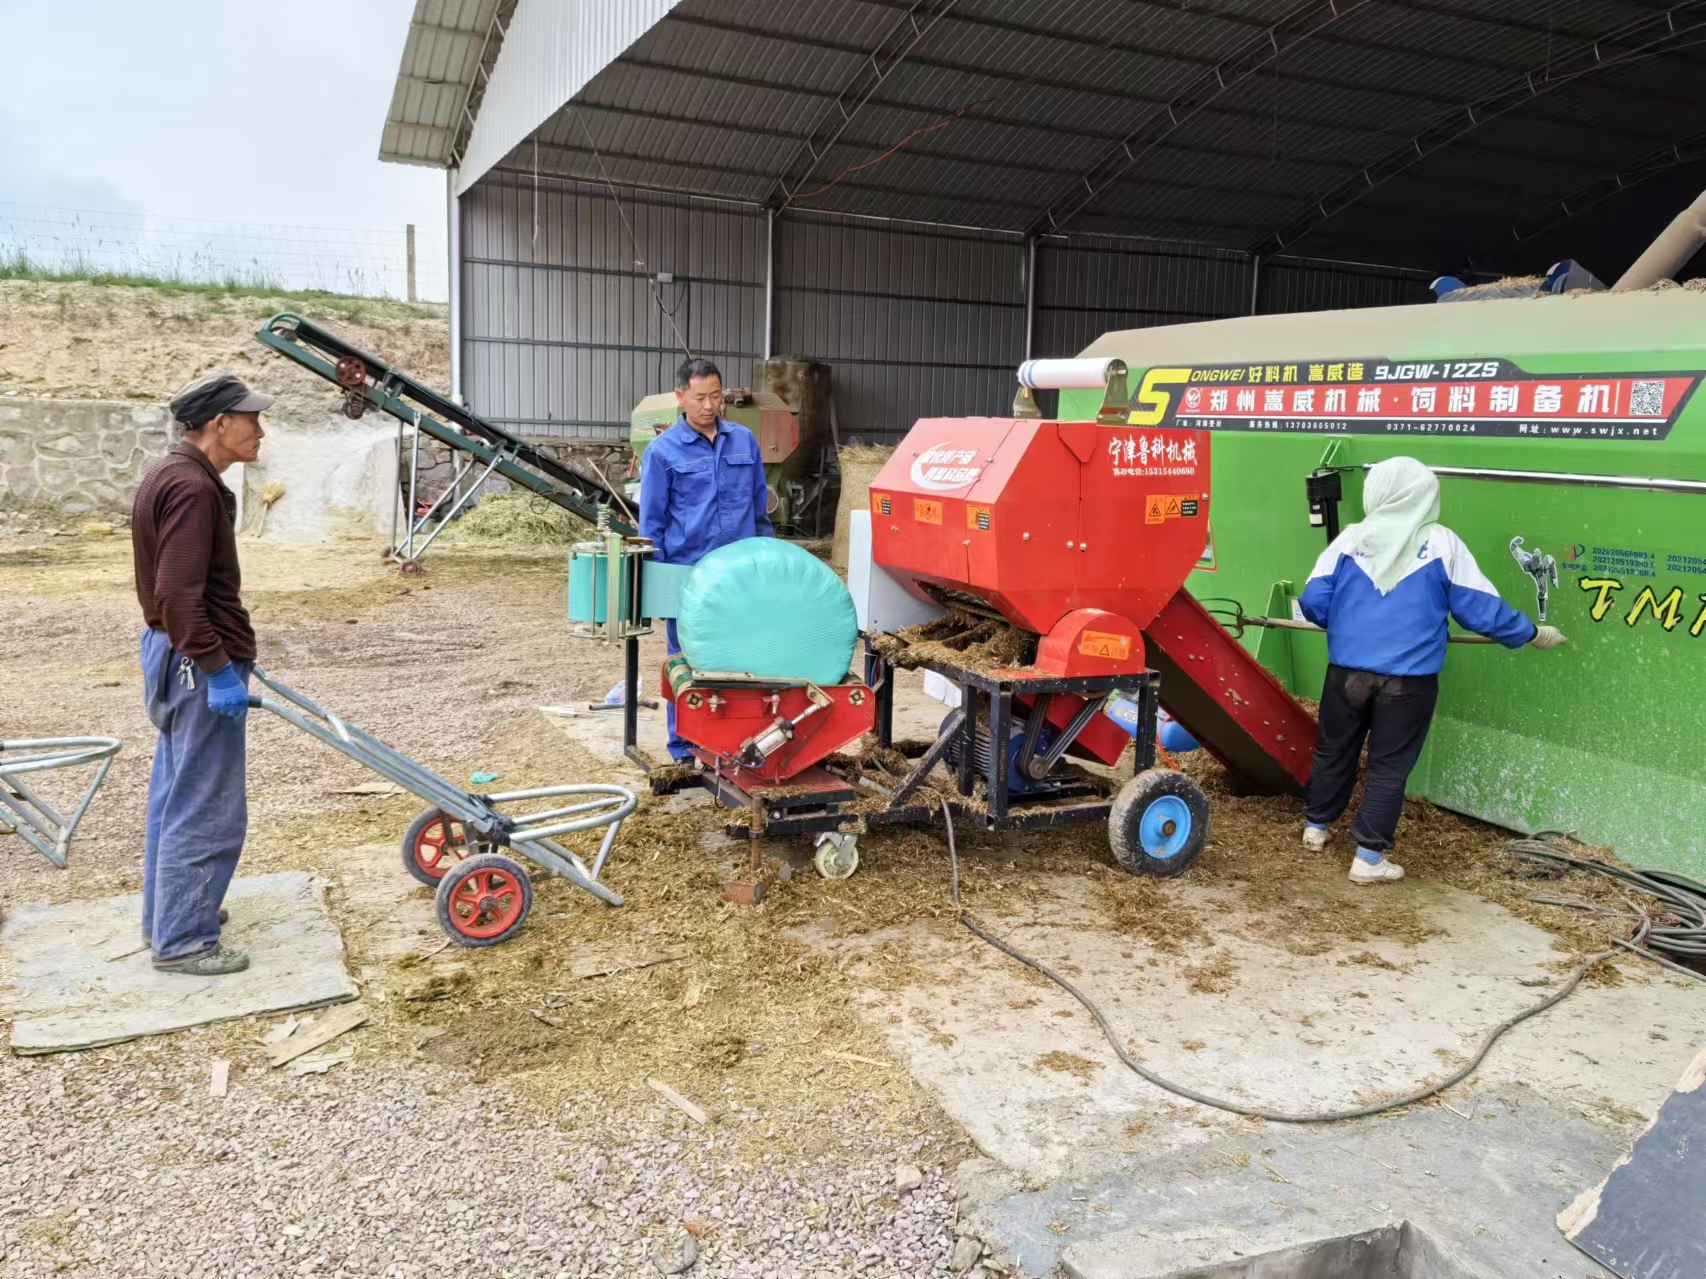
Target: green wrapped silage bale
[(768, 608)]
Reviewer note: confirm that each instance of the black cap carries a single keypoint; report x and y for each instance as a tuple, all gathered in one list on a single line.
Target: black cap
[(202, 401)]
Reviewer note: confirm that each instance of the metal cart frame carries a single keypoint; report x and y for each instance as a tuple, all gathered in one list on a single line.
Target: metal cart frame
[(819, 803), (532, 835)]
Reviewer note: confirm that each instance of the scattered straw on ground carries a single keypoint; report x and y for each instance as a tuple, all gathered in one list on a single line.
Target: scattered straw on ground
[(1065, 1063), (753, 1014)]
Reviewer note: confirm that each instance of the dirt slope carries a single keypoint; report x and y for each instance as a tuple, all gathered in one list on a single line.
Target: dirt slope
[(122, 342)]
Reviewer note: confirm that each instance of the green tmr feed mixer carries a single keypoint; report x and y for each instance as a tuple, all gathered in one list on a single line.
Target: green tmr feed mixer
[(1569, 434)]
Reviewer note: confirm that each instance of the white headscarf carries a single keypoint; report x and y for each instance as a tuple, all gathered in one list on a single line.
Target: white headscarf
[(1400, 502)]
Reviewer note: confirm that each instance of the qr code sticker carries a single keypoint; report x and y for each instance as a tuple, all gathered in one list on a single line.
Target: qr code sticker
[(1647, 399)]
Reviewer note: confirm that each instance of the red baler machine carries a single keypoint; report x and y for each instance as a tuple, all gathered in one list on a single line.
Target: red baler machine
[(1080, 534)]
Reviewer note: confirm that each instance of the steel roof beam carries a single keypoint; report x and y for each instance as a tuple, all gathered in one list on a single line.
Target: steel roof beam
[(897, 104), (518, 162), (1016, 76), (1033, 126), (1094, 43), (1006, 163), (490, 43), (878, 65), (1345, 40), (1645, 37), (1297, 28), (911, 192), (518, 159), (1590, 194)]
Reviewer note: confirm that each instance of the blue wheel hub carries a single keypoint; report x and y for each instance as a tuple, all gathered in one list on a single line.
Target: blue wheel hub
[(1165, 827)]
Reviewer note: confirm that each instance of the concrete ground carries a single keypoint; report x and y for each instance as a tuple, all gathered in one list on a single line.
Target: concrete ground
[(1098, 1172), (867, 1028)]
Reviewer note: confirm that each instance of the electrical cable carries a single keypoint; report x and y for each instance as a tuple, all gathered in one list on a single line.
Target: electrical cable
[(1643, 933), (1679, 930), (919, 132), (633, 240)]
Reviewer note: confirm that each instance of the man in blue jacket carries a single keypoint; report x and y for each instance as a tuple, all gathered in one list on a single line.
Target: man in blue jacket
[(701, 486), (1384, 591)]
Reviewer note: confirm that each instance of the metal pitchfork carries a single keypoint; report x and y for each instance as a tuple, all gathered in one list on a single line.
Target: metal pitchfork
[(1230, 614)]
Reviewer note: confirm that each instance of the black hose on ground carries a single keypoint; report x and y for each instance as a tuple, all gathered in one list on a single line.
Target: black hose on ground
[(1684, 895), (1677, 930)]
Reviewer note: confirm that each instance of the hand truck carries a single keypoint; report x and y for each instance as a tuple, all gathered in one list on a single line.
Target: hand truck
[(483, 895)]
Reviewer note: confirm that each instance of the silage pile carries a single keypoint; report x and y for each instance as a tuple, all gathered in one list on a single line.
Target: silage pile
[(520, 519)]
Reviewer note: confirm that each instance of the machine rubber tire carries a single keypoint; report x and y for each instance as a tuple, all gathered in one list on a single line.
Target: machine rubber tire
[(1158, 823), (412, 838), (497, 893)]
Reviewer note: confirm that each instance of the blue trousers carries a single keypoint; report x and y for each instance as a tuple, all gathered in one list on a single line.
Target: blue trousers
[(678, 747), (198, 810)]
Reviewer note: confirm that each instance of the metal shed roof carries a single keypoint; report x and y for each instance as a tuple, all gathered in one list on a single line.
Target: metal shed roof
[(1436, 132), (448, 54)]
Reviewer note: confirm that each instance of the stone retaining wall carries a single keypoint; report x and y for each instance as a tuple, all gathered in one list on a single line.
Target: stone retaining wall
[(580, 456), (78, 455)]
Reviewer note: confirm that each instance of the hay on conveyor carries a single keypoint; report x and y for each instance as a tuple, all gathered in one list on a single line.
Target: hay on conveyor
[(520, 519), (960, 639)]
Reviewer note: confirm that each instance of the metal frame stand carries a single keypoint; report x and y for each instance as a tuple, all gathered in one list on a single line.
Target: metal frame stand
[(404, 550), (1050, 801), (816, 801), (42, 826)]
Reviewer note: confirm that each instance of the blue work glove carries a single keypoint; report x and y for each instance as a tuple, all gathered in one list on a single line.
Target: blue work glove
[(226, 693)]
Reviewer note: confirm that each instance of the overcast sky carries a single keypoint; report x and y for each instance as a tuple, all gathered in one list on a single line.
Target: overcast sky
[(224, 109)]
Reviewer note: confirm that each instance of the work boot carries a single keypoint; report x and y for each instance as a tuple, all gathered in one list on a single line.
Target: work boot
[(224, 918), (1383, 871), (1315, 837), (210, 963)]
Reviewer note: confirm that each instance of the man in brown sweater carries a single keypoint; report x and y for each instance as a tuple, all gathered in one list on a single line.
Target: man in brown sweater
[(196, 656)]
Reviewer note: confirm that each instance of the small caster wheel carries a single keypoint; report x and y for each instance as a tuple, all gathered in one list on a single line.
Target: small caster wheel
[(1158, 823), (837, 855), (484, 900), (410, 568), (428, 852)]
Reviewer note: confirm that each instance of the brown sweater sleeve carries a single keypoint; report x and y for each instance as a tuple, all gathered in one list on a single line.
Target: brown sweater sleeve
[(185, 525)]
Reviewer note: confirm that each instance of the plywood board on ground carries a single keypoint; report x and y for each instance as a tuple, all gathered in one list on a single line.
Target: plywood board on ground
[(1644, 1220), (80, 976)]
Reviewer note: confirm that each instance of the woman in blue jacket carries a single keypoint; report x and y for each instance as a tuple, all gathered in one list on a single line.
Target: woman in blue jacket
[(1384, 592)]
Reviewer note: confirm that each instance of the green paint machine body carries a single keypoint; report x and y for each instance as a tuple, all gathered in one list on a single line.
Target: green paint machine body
[(1570, 439)]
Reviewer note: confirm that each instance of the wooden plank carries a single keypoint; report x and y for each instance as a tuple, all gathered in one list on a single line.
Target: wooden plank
[(219, 1078), (81, 980), (681, 1103), (326, 1029), (608, 965), (1644, 1221)]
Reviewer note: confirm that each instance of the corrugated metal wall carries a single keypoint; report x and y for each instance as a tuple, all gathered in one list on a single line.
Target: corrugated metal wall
[(552, 48), (1087, 287), (1304, 284), (914, 323), (565, 328)]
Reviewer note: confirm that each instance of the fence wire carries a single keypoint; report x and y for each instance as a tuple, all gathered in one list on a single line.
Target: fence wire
[(360, 262)]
